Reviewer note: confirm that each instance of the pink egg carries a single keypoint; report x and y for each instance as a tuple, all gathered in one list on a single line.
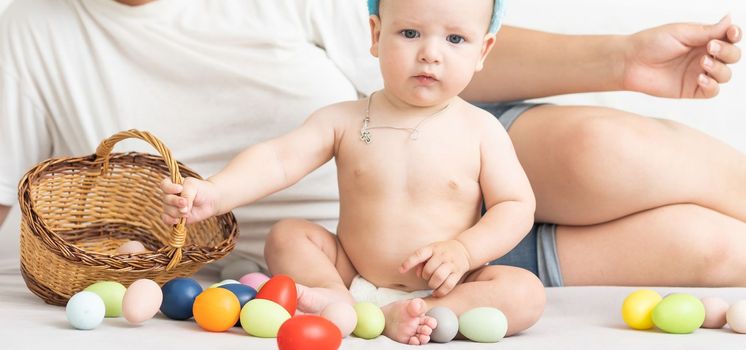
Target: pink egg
[(131, 247), (715, 309), (342, 315), (141, 301), (254, 280)]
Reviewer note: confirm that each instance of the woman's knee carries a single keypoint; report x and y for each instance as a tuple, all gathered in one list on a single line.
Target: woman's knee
[(610, 139)]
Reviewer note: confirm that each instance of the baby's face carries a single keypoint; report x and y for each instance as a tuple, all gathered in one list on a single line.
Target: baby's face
[(430, 49)]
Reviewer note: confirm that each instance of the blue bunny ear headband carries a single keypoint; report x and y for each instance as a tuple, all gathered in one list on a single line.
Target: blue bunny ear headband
[(497, 14)]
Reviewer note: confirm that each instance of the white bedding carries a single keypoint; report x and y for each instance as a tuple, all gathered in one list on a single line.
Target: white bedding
[(575, 318)]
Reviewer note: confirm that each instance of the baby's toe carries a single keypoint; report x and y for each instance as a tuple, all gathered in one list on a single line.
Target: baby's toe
[(424, 330)]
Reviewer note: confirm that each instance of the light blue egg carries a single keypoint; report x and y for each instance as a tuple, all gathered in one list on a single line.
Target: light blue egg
[(85, 310), (483, 324)]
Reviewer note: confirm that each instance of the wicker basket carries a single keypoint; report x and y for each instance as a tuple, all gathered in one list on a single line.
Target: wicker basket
[(77, 211)]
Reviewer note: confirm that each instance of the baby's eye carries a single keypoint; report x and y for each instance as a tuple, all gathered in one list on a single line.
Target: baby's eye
[(410, 33), (455, 39)]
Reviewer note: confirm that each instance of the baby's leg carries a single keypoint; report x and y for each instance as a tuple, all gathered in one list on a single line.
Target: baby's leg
[(516, 292), (313, 257)]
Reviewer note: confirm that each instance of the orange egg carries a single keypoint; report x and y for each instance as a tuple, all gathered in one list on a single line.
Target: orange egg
[(216, 309)]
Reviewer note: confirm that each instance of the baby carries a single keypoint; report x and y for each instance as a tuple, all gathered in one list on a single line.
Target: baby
[(415, 164)]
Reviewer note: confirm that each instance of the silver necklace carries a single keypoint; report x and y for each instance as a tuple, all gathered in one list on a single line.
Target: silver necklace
[(414, 133)]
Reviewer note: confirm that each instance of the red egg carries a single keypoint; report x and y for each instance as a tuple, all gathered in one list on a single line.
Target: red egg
[(304, 332), (281, 290)]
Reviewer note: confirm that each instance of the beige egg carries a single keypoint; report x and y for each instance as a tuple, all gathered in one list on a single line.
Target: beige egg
[(141, 301), (736, 316), (131, 247), (715, 309)]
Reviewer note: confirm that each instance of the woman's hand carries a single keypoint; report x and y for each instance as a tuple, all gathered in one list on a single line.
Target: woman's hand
[(682, 60)]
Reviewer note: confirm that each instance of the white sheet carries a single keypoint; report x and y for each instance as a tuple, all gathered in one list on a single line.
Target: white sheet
[(575, 318)]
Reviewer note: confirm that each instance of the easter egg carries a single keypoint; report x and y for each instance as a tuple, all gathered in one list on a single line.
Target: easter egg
[(223, 282), (308, 332), (679, 313), (254, 280), (342, 315), (736, 316), (216, 309), (715, 309), (483, 324), (447, 327), (370, 320), (178, 298), (280, 289), (263, 318), (85, 310), (243, 292), (141, 301), (239, 268), (112, 294), (131, 247), (637, 308)]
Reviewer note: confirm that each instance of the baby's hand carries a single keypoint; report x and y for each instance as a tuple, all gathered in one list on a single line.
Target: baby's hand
[(195, 200), (442, 264)]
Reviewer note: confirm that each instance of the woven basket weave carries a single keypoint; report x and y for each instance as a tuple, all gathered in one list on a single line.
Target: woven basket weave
[(77, 211)]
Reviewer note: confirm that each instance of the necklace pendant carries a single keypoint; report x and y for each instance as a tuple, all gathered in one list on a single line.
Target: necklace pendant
[(365, 136)]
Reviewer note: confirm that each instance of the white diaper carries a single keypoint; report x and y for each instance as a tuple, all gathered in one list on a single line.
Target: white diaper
[(362, 290)]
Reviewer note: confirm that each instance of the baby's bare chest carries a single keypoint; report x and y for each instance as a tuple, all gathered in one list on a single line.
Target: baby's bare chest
[(393, 163)]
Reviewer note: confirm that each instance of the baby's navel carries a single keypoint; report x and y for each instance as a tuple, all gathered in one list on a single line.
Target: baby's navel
[(452, 185)]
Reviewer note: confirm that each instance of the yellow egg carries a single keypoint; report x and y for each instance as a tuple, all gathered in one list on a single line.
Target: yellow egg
[(637, 309)]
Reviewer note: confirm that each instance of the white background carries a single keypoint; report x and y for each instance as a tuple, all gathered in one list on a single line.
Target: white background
[(723, 117)]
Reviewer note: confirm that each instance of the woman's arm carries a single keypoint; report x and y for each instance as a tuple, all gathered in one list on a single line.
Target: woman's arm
[(528, 64), (682, 60)]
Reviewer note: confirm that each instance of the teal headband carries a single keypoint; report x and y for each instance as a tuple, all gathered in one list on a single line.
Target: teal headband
[(497, 13)]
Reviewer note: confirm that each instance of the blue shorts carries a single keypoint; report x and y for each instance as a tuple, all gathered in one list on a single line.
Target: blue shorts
[(537, 252)]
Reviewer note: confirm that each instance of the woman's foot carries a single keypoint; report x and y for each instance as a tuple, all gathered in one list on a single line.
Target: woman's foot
[(407, 323), (314, 300)]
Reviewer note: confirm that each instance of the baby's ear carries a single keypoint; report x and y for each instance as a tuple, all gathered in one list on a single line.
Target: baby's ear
[(375, 34), (487, 44)]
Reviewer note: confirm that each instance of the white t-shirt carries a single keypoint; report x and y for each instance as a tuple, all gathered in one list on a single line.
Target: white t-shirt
[(207, 77)]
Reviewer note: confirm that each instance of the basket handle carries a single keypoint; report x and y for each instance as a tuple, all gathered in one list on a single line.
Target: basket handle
[(178, 234)]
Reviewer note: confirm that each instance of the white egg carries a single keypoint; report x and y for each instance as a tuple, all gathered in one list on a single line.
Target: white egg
[(85, 310), (736, 316)]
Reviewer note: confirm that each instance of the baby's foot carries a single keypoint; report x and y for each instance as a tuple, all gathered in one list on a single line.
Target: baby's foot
[(407, 323), (314, 300)]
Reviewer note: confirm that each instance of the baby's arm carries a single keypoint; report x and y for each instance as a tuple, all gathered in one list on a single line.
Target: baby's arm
[(508, 198), (510, 212), (256, 172)]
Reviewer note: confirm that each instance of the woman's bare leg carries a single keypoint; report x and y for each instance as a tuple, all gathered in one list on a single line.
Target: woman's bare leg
[(675, 245), (590, 165)]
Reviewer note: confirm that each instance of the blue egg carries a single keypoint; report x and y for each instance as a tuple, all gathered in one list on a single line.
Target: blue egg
[(85, 310), (243, 292), (178, 298)]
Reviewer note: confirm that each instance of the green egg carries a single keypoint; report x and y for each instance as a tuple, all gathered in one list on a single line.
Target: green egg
[(679, 313), (370, 320), (112, 294), (483, 324), (263, 318)]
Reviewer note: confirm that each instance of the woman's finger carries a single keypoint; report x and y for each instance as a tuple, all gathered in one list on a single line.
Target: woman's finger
[(716, 69)]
